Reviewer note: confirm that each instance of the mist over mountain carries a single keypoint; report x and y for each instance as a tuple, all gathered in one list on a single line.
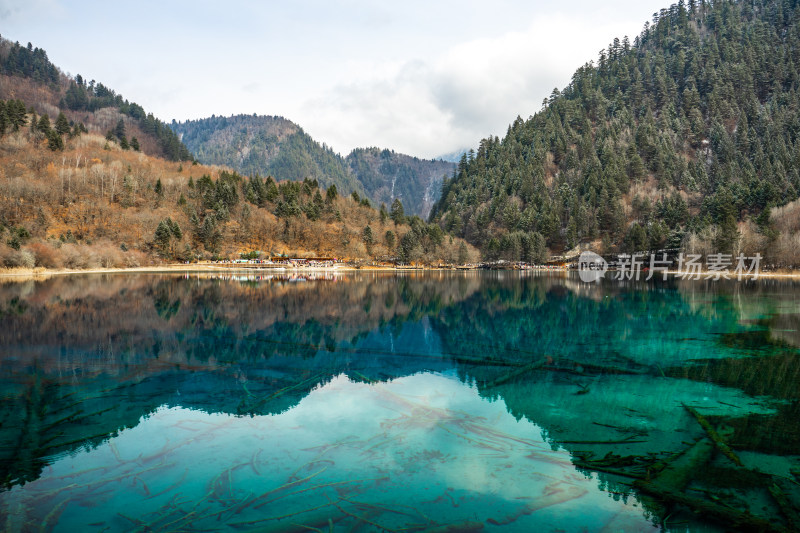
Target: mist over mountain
[(453, 157)]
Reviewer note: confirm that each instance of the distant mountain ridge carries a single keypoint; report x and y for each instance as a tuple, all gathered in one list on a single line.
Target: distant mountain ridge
[(387, 175), (267, 146), (275, 146)]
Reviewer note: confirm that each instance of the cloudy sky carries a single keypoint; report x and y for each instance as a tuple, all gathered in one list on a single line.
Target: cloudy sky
[(421, 77)]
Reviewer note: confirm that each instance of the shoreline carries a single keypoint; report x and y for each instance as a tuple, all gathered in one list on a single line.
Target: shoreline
[(41, 272), (21, 274), (178, 268)]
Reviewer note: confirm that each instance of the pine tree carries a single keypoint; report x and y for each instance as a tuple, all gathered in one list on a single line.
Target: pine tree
[(44, 124), (162, 236), (367, 236), (62, 124), (54, 140), (331, 194), (175, 229), (119, 130), (409, 247), (397, 211), (389, 239), (16, 114), (3, 118)]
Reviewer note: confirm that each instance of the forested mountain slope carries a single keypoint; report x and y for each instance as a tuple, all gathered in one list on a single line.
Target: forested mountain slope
[(267, 146), (687, 135), (26, 74), (89, 203), (274, 146), (387, 175)]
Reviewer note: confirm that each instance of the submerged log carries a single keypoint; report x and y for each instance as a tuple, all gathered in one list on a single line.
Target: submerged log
[(730, 517), (787, 507), (712, 433), (516, 373), (483, 361), (620, 441), (301, 523), (584, 367), (668, 484), (677, 474), (621, 473)]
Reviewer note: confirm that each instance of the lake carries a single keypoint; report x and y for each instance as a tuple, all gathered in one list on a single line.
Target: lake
[(413, 401)]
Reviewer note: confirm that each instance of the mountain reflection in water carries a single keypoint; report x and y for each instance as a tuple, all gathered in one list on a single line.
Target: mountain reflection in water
[(503, 401)]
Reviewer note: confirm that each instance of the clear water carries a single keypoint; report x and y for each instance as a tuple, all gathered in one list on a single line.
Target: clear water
[(448, 401)]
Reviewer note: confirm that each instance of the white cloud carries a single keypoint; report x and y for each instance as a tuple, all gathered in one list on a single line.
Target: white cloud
[(453, 99), (420, 77)]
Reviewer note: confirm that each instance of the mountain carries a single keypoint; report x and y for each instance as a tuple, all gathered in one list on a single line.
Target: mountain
[(687, 136), (89, 203), (101, 184), (27, 74), (387, 175), (274, 146), (268, 146)]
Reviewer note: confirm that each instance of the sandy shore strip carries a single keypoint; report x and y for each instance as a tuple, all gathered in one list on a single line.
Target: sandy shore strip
[(9, 274), (40, 273)]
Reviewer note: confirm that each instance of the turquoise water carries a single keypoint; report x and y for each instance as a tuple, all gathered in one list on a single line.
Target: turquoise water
[(494, 401)]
